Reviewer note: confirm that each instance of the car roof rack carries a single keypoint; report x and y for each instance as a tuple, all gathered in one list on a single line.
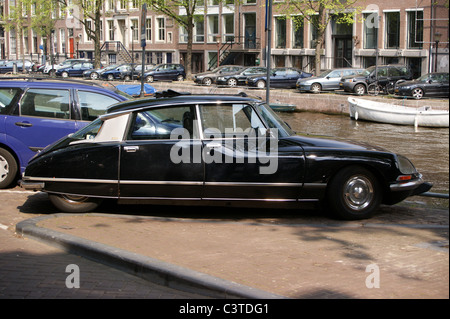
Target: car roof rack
[(173, 93)]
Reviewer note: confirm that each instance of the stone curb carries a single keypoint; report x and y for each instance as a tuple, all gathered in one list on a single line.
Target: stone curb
[(148, 268)]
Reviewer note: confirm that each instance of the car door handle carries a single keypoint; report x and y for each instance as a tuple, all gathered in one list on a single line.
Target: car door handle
[(23, 124), (213, 145), (131, 149)]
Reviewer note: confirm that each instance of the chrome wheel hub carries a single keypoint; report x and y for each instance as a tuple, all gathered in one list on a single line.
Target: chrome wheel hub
[(358, 193)]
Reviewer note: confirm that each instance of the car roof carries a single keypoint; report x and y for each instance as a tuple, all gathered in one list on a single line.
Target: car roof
[(175, 98), (52, 83)]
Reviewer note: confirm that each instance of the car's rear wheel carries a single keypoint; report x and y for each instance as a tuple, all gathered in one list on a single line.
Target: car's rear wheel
[(127, 78), (73, 203), (8, 168), (354, 193), (110, 77), (180, 78)]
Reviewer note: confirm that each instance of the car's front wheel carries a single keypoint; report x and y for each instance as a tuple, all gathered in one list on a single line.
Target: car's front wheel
[(149, 79), (359, 89), (207, 81), (417, 93), (73, 203), (65, 75), (261, 84), (316, 88), (354, 193), (94, 75)]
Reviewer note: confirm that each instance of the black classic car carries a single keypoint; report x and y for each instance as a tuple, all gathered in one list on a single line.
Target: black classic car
[(215, 150)]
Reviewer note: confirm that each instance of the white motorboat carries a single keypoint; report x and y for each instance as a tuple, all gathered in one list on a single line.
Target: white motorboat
[(374, 111)]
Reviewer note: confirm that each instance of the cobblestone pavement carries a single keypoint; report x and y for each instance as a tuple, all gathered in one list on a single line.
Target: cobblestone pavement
[(32, 270), (400, 253)]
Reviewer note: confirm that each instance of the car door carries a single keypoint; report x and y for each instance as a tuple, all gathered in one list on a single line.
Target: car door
[(43, 116), (331, 81), (241, 161), (161, 156), (279, 78)]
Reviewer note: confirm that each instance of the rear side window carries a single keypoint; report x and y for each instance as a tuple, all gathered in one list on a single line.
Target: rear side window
[(92, 105), (46, 103), (8, 98)]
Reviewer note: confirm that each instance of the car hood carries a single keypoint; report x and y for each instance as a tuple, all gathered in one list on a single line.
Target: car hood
[(407, 83), (315, 141)]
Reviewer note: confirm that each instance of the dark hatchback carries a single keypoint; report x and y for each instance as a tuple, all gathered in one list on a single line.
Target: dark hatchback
[(35, 113), (279, 78), (428, 85), (215, 150), (165, 72)]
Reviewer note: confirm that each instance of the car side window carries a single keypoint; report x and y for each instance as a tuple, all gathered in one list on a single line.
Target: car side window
[(230, 120), (7, 99), (46, 103), (161, 123), (92, 105)]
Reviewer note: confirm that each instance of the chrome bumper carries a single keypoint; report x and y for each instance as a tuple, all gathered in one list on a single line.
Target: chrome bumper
[(33, 186)]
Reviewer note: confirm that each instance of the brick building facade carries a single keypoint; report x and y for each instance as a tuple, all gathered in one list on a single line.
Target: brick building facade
[(407, 34)]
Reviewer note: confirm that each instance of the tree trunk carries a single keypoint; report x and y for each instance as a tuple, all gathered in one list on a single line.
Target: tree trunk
[(97, 43), (190, 31), (320, 39)]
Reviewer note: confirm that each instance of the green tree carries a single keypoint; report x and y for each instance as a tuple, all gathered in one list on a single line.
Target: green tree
[(171, 8), (319, 13)]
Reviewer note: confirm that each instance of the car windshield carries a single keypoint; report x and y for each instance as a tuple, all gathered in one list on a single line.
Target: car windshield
[(368, 71), (325, 73), (88, 132), (273, 121), (424, 78)]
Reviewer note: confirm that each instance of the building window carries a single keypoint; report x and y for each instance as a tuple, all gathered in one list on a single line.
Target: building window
[(134, 30), (228, 26), (392, 30), (62, 40), (161, 29), (213, 27), (148, 29), (313, 31), (297, 32), (280, 32), (370, 30), (199, 29), (415, 29), (111, 30), (13, 41)]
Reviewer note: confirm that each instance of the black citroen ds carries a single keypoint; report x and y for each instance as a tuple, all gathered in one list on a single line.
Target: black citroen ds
[(215, 150)]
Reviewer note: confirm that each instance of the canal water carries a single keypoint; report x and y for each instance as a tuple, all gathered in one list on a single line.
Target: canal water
[(427, 148)]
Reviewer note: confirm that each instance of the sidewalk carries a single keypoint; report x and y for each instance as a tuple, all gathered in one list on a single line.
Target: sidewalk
[(264, 258)]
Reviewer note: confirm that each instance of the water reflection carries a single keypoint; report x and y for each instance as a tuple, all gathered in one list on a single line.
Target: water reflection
[(427, 148)]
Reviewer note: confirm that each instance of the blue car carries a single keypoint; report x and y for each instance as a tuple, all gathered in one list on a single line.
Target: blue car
[(76, 69), (279, 78), (36, 113)]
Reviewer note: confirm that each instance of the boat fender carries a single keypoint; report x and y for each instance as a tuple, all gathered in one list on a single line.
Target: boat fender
[(356, 115), (416, 120)]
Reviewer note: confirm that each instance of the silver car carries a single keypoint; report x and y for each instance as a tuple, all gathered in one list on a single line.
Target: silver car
[(327, 81)]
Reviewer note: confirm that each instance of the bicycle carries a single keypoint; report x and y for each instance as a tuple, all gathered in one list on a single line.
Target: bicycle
[(375, 88)]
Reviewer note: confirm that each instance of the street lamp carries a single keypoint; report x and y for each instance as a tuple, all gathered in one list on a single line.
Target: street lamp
[(437, 38)]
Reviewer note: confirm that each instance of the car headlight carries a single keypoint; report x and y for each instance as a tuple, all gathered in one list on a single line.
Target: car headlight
[(348, 80), (405, 166)]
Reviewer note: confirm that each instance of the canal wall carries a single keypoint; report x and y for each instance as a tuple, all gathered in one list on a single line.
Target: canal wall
[(330, 103)]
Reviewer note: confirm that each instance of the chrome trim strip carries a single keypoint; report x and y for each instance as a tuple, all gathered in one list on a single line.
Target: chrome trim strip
[(407, 185), (70, 180), (253, 184), (193, 183)]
